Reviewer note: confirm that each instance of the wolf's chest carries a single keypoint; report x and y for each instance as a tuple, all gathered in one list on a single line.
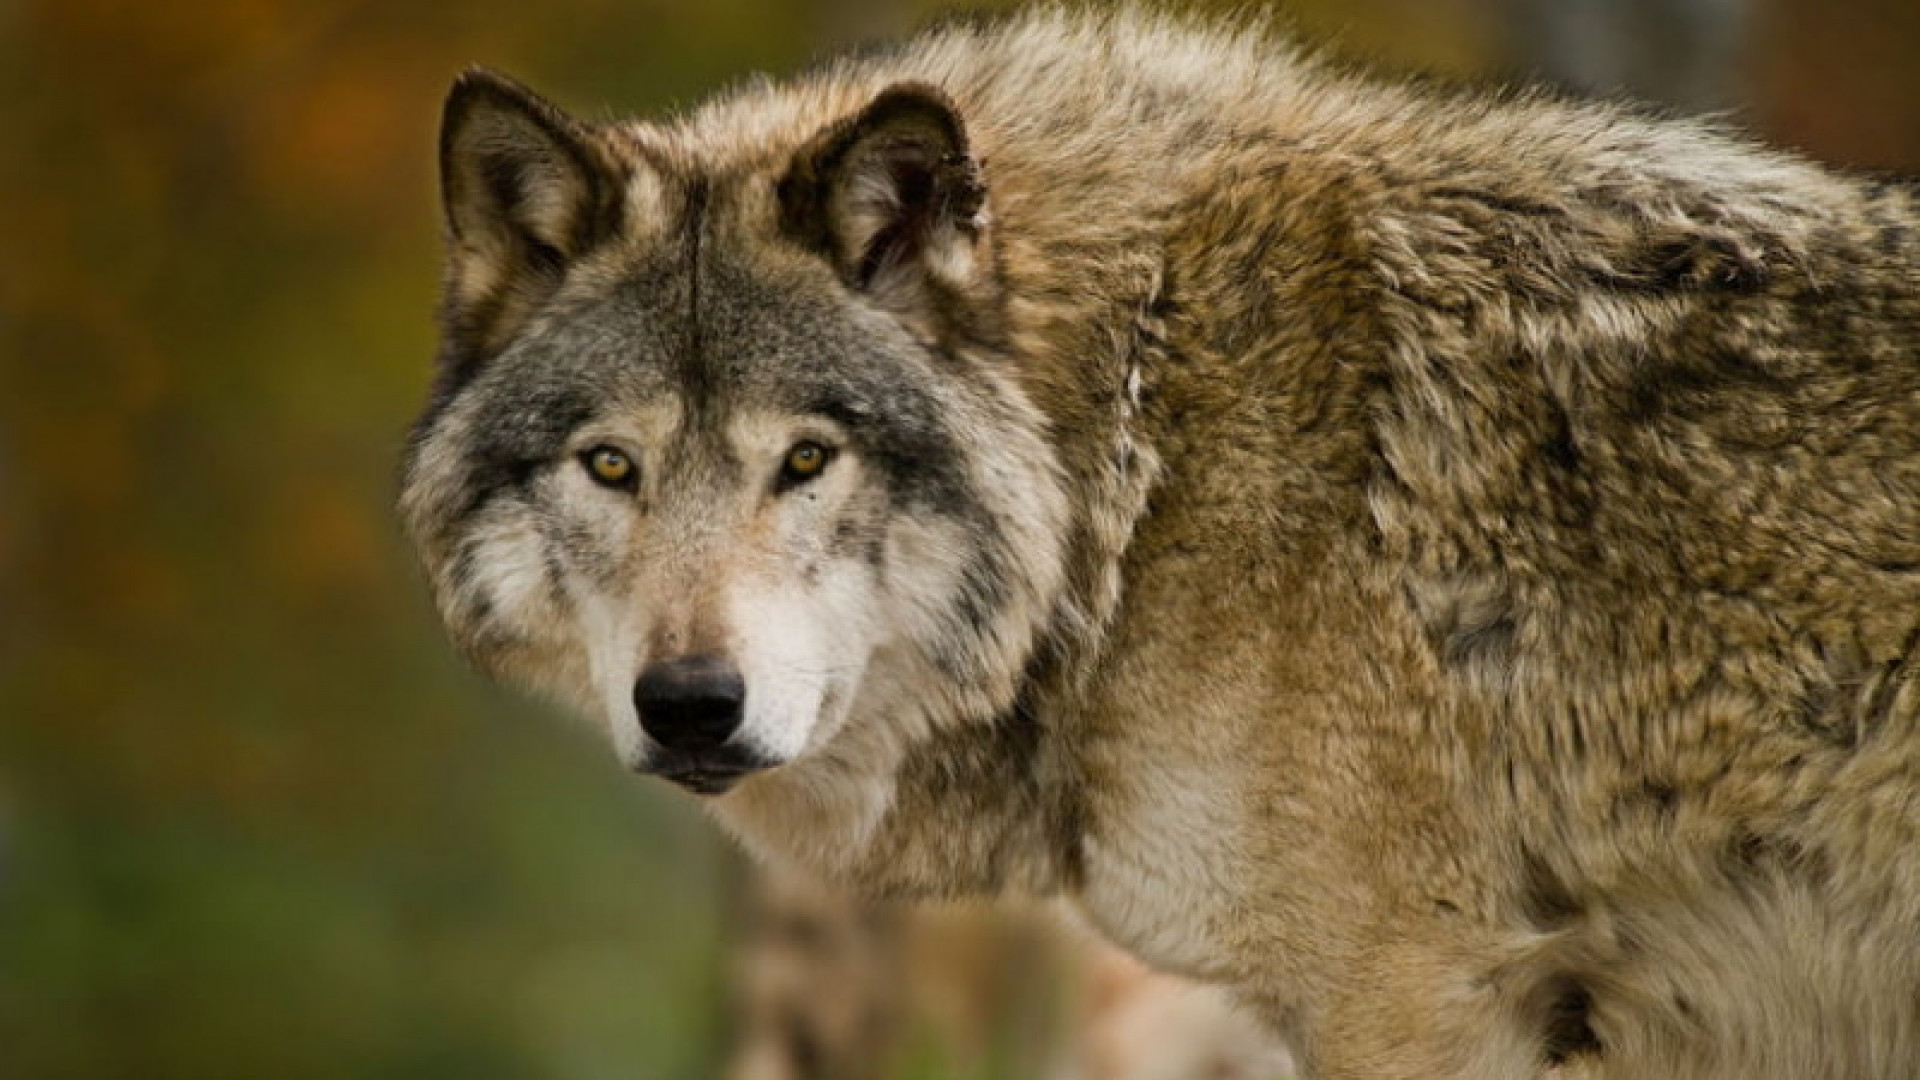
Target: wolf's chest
[(1161, 880)]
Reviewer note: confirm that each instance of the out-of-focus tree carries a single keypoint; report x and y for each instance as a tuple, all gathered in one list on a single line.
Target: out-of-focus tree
[(1686, 53)]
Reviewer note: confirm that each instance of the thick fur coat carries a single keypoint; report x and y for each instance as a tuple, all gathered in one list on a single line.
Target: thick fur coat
[(1445, 565)]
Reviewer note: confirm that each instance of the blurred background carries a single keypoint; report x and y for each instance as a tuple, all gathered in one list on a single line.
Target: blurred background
[(255, 819)]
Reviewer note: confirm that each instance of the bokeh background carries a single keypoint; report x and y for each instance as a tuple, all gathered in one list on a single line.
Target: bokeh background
[(255, 819)]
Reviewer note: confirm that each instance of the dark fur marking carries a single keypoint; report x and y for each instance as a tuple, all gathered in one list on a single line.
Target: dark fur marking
[(694, 369), (1065, 809), (1568, 1023), (1627, 941), (1650, 799), (802, 930), (507, 175), (895, 242), (492, 477), (976, 603), (1576, 729), (1560, 448), (520, 441), (1877, 710), (841, 409), (461, 571), (1545, 899), (1567, 489), (1816, 709), (854, 538), (847, 533), (804, 1052), (1892, 197), (1686, 386), (554, 569), (1500, 204), (1486, 644), (1686, 263), (1660, 796), (1752, 856), (461, 357), (1895, 238), (1748, 850), (1471, 622)]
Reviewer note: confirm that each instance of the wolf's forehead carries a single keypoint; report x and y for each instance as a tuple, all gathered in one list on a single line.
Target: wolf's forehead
[(729, 331)]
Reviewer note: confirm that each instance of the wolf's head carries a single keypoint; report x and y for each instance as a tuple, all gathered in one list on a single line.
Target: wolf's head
[(726, 448)]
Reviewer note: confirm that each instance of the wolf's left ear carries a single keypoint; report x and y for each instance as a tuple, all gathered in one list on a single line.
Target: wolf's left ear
[(526, 189), (892, 197)]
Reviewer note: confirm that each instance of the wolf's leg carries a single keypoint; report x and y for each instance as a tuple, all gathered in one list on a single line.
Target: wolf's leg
[(832, 988), (817, 984)]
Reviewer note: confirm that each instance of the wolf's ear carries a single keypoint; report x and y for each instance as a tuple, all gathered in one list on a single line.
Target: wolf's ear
[(892, 197), (526, 190)]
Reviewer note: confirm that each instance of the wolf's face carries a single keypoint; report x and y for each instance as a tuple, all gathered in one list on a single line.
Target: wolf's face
[(723, 452)]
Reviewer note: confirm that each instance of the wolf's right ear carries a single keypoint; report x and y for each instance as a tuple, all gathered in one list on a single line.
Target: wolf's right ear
[(526, 190)]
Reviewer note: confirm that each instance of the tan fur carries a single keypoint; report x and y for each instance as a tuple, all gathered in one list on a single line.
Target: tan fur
[(1491, 579)]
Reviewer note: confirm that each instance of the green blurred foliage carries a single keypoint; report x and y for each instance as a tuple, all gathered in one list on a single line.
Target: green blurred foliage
[(255, 820)]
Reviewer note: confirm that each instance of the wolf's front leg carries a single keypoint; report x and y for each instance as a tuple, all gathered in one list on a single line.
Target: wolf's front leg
[(817, 983), (833, 988)]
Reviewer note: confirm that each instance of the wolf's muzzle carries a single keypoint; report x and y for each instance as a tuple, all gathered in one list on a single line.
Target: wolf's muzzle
[(690, 707)]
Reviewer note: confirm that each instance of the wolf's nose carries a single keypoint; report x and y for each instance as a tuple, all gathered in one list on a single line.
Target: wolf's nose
[(691, 704)]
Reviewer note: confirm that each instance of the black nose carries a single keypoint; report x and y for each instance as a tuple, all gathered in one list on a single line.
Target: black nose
[(690, 705)]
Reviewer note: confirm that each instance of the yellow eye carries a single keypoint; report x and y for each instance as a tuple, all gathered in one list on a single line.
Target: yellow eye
[(805, 461), (610, 467)]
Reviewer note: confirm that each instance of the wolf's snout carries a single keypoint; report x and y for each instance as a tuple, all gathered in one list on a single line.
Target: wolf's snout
[(690, 705)]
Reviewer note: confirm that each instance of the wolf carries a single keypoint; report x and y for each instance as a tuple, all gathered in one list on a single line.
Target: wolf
[(1443, 564)]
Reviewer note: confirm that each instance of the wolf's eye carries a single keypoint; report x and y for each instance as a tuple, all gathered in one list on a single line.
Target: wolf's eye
[(610, 468), (803, 463)]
